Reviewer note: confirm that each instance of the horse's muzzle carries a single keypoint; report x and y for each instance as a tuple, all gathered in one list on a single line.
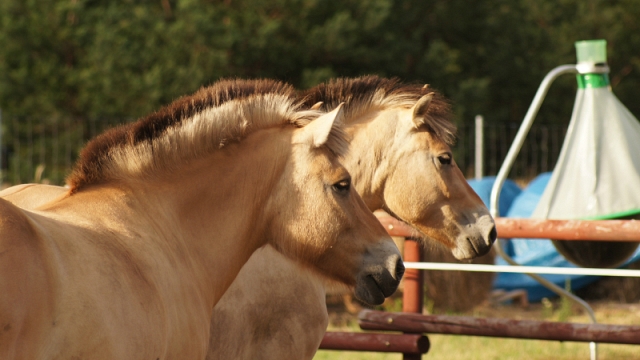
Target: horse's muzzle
[(379, 280), (476, 238)]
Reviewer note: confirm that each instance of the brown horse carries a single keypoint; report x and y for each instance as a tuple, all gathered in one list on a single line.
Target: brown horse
[(389, 132), (161, 215)]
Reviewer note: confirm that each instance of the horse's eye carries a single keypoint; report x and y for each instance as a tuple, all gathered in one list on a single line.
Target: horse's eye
[(342, 186), (445, 159)]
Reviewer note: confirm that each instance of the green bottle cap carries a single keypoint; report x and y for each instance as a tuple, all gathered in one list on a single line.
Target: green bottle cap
[(592, 81), (591, 51), (592, 54)]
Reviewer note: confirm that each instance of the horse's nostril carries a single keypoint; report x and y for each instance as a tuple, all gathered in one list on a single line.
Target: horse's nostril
[(493, 235), (399, 269)]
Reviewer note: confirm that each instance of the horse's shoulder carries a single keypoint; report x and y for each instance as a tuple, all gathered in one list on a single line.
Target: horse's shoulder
[(15, 225), (18, 245)]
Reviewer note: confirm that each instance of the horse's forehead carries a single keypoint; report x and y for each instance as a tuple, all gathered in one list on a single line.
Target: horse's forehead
[(398, 121), (321, 161), (420, 141), (394, 120)]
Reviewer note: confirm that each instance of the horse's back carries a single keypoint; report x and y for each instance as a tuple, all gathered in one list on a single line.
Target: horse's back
[(32, 196)]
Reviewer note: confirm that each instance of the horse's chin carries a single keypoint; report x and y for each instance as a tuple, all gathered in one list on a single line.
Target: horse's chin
[(373, 288), (462, 255), (469, 249), (368, 291)]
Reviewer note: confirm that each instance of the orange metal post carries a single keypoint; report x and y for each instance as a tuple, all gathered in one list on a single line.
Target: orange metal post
[(413, 286)]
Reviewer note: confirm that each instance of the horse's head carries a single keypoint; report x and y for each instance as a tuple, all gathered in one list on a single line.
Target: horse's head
[(401, 161), (425, 187), (325, 223)]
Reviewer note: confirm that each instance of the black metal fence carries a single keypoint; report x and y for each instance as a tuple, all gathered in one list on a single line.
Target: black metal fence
[(44, 150), (539, 153)]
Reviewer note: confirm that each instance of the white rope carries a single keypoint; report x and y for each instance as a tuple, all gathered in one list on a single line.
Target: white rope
[(522, 269)]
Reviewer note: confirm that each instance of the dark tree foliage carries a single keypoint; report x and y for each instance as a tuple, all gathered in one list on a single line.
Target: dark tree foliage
[(125, 58), (68, 68)]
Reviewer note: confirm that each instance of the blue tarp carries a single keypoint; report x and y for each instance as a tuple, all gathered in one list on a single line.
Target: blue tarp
[(517, 203)]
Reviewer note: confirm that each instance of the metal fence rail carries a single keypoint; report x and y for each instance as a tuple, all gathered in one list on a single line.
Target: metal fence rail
[(505, 328), (412, 321)]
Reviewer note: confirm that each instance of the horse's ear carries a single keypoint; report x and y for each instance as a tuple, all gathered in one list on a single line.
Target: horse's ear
[(316, 133), (420, 109), (317, 105)]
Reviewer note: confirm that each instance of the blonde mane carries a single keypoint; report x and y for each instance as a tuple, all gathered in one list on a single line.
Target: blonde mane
[(367, 93), (191, 127)]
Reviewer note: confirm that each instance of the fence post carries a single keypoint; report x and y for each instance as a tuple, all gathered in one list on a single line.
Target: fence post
[(479, 154), (413, 285)]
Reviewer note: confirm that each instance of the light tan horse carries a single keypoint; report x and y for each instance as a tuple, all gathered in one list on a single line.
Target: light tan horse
[(162, 214), (391, 124), (401, 161)]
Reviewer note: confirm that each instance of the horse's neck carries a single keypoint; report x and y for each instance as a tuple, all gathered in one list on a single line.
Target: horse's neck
[(209, 210), (219, 207), (370, 159)]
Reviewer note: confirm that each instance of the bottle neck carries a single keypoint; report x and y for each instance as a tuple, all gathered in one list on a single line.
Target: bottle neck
[(592, 81)]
